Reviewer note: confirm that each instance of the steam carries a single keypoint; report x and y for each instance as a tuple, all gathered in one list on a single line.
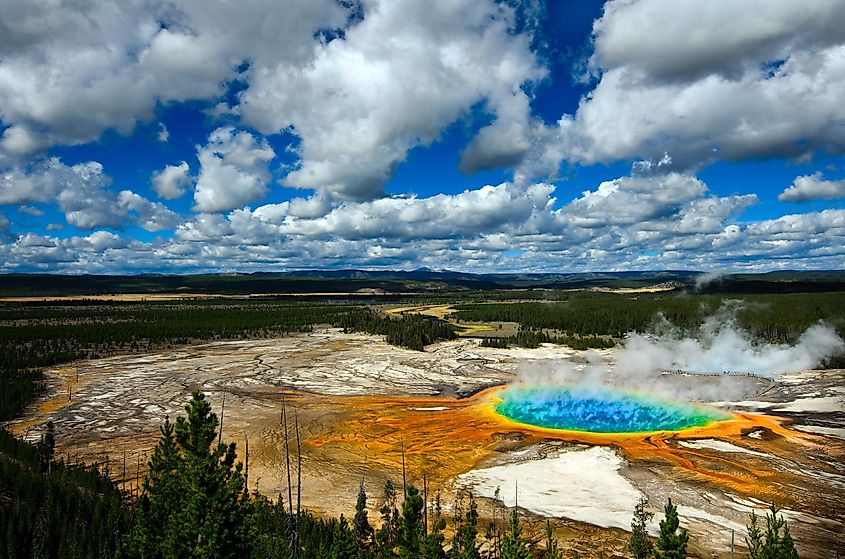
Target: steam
[(708, 278), (722, 347), (726, 362)]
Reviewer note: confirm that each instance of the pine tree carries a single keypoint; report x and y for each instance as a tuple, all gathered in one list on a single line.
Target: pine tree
[(411, 528), (386, 536), (344, 545), (160, 500), (194, 491), (513, 545), (772, 544), (433, 546), (47, 445), (466, 531), (639, 545), (361, 524), (671, 545), (552, 549)]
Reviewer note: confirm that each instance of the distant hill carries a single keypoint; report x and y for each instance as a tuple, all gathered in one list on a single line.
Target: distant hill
[(398, 282)]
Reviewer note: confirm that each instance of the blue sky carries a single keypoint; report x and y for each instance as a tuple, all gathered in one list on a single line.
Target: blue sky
[(191, 136)]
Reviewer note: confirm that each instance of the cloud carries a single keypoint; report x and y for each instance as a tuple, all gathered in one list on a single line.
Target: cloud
[(4, 222), (103, 240), (84, 196), (685, 41), (83, 193), (721, 81), (20, 140), (29, 210), (172, 181), (630, 200), (642, 221), (150, 216), (163, 133), (71, 71), (468, 214), (233, 170), (505, 142), (395, 81), (40, 253), (359, 84), (813, 187), (509, 225), (17, 186)]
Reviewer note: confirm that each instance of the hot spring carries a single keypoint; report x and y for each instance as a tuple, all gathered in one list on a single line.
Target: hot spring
[(601, 410)]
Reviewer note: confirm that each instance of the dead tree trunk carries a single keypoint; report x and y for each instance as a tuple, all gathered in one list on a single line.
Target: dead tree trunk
[(404, 480), (222, 409), (287, 455), (425, 505), (246, 465), (298, 479)]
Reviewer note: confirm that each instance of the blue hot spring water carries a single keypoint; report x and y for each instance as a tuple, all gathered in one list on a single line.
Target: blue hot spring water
[(601, 410)]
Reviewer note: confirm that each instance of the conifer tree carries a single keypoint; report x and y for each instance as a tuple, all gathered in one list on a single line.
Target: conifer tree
[(344, 545), (194, 491), (386, 536), (466, 531), (361, 524), (160, 499), (411, 528), (772, 544), (433, 546), (671, 545), (552, 550), (639, 545), (513, 545)]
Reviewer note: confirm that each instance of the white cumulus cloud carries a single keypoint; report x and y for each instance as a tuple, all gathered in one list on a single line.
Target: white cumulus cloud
[(233, 170), (70, 71), (813, 187), (395, 81), (710, 81), (83, 194), (172, 181)]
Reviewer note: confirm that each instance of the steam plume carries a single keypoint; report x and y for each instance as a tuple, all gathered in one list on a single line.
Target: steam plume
[(718, 348), (723, 347), (708, 278)]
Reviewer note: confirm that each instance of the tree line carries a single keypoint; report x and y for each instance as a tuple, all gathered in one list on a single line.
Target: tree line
[(36, 336), (50, 508), (778, 318), (530, 339), (412, 331)]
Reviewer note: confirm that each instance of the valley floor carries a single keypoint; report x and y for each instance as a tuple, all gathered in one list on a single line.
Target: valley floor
[(360, 401)]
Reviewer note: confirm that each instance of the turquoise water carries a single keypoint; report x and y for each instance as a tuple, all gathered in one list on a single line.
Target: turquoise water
[(601, 410)]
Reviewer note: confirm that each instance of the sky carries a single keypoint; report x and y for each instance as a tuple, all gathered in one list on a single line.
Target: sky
[(191, 136)]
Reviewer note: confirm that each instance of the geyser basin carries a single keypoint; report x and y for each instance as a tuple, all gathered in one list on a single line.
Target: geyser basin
[(601, 410)]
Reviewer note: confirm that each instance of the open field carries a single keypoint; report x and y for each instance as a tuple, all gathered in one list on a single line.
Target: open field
[(359, 401), (462, 328)]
